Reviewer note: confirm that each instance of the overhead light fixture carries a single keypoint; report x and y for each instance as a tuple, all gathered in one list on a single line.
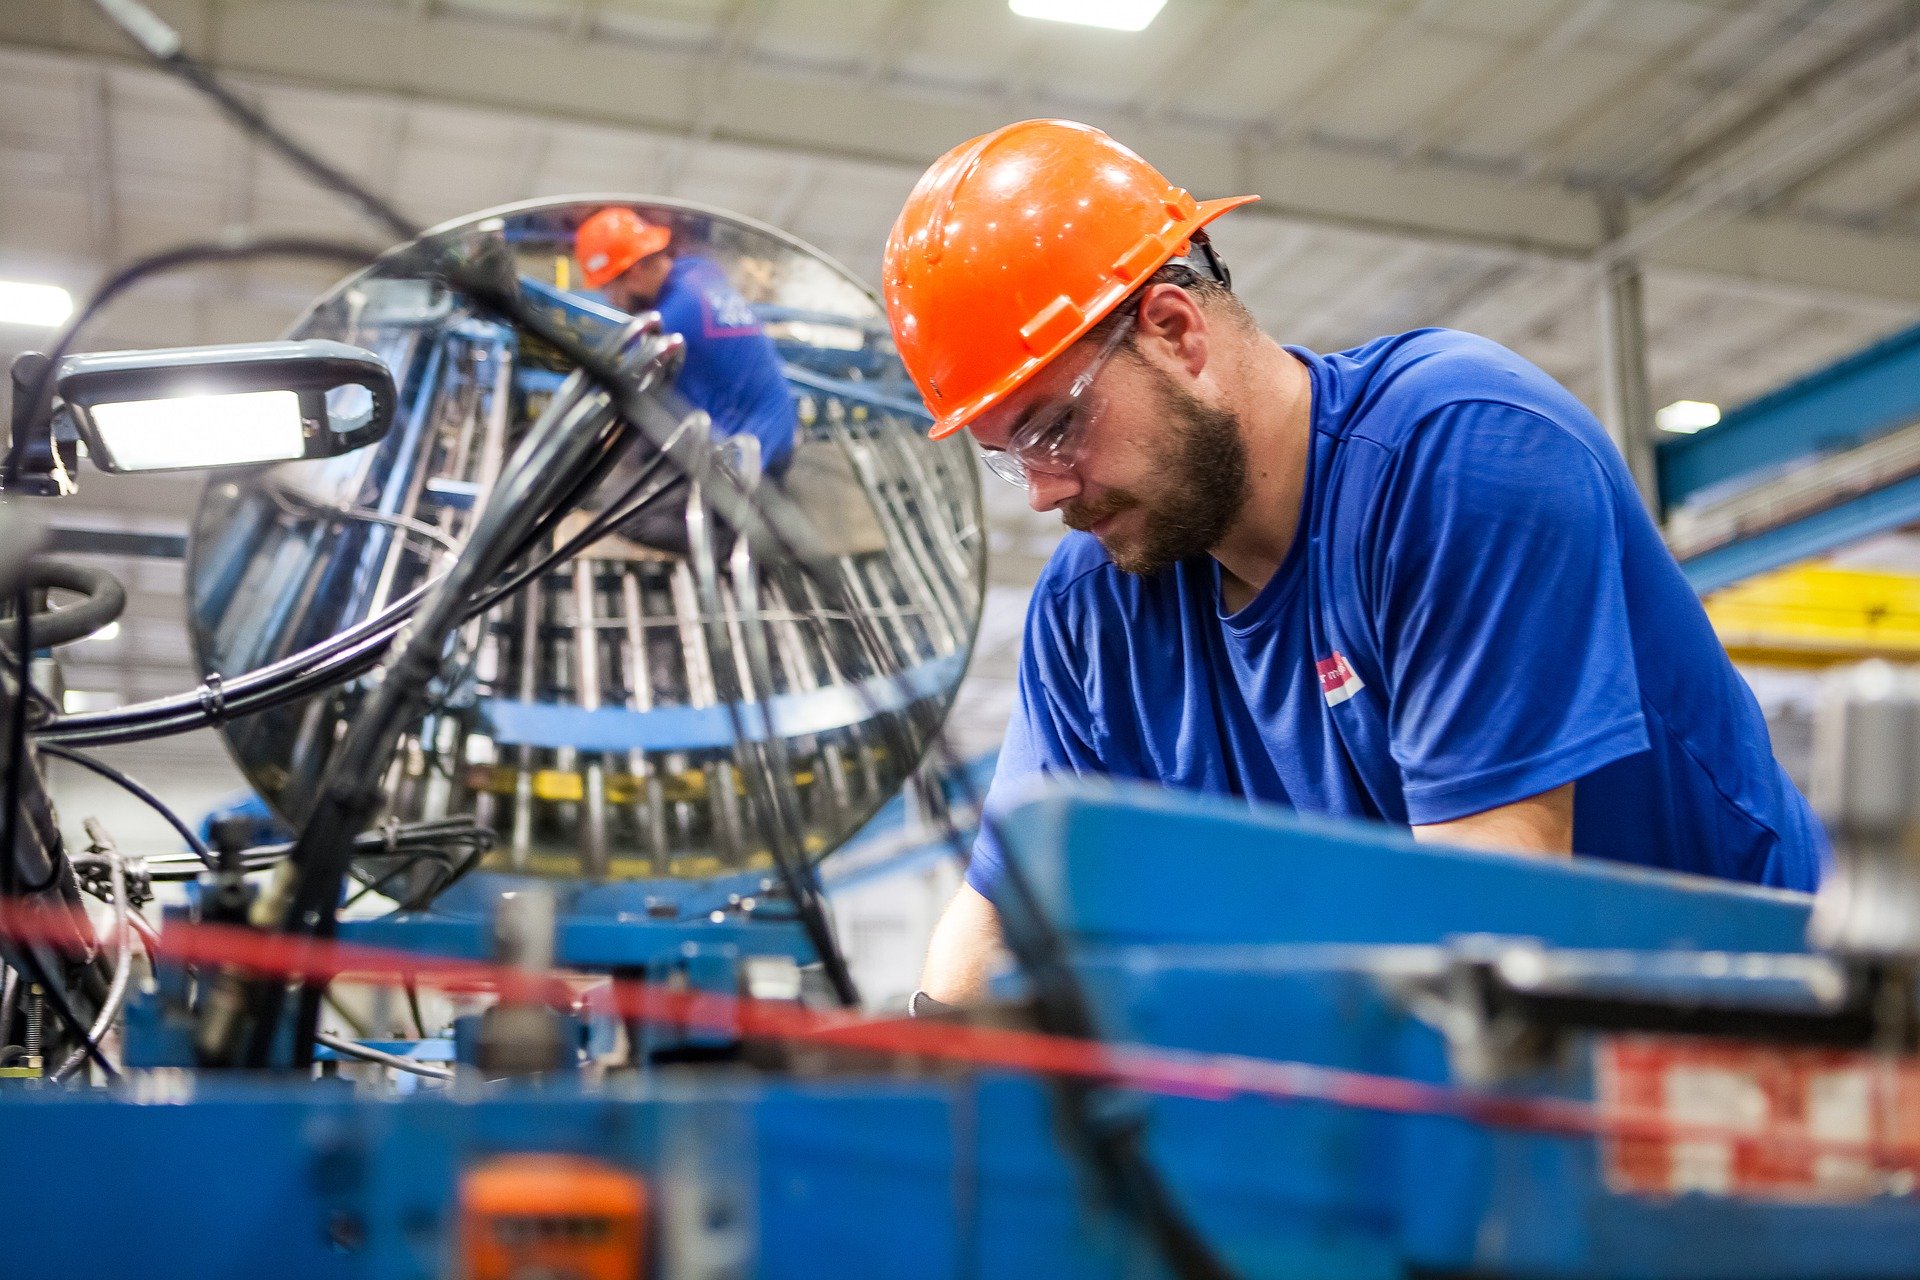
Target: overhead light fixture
[(1684, 417), (193, 408), (43, 306), (1115, 15), (178, 432)]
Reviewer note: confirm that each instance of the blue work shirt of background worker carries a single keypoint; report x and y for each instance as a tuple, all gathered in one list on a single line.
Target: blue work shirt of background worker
[(1476, 609), (732, 369)]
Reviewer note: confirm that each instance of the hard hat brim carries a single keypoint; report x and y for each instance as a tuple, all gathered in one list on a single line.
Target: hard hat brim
[(1115, 292)]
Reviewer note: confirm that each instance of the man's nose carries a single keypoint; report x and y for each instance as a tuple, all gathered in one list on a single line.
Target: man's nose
[(1047, 490)]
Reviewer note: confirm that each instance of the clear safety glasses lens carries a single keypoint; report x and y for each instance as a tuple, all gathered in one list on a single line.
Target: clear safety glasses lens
[(1047, 441)]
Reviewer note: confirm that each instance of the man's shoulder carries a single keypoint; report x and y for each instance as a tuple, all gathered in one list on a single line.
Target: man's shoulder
[(1398, 383)]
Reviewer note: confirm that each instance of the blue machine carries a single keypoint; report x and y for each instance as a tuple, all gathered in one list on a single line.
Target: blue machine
[(1322, 954)]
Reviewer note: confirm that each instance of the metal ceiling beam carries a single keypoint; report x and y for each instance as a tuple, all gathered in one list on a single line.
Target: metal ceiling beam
[(1554, 152), (1227, 23), (1768, 101), (895, 33), (1863, 143), (1291, 120), (521, 75), (738, 26), (801, 185), (1551, 36), (1755, 179), (1856, 399), (535, 145), (103, 201)]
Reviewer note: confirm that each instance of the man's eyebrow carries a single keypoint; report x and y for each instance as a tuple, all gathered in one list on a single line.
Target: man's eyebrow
[(1026, 416)]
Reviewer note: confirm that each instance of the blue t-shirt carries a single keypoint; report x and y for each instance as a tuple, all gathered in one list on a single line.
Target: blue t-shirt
[(732, 369), (1476, 609)]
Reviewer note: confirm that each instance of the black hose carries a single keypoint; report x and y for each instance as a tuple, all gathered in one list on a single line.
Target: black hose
[(104, 599), (575, 435), (12, 814), (126, 783)]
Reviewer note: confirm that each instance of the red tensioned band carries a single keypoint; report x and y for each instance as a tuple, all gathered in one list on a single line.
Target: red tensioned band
[(1150, 1069)]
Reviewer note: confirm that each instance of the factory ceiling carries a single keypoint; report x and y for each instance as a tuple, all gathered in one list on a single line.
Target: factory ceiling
[(1456, 162)]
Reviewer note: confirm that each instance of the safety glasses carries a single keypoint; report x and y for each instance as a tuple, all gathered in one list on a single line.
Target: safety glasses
[(1048, 437)]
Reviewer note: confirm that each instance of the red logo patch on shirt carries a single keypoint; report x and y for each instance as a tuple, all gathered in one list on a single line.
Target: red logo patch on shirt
[(1337, 680)]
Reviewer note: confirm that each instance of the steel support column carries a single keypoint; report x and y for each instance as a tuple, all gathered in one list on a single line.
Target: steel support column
[(1620, 322)]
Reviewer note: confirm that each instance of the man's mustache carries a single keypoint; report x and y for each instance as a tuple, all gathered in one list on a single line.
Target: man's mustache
[(1082, 516)]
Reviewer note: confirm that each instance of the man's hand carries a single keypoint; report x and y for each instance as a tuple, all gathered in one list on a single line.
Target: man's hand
[(963, 949), (1538, 824)]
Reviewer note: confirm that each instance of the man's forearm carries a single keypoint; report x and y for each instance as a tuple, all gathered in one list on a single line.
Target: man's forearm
[(1538, 824), (963, 950)]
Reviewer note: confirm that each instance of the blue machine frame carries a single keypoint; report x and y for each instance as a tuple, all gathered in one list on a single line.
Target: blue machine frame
[(963, 1175)]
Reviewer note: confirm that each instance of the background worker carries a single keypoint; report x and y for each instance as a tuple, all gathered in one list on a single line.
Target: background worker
[(1411, 582), (732, 369)]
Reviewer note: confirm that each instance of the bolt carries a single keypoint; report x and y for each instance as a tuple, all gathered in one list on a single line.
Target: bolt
[(36, 1012)]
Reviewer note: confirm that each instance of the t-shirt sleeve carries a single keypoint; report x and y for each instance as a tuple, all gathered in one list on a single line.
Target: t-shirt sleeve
[(1503, 615), (1048, 732)]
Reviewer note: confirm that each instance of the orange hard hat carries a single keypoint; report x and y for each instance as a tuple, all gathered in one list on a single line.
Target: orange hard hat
[(612, 240), (1015, 244)]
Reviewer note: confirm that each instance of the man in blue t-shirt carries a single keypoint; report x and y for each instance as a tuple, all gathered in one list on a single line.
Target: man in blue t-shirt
[(731, 370), (1411, 582)]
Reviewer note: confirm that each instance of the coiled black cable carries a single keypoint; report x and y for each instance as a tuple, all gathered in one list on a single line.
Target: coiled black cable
[(103, 600)]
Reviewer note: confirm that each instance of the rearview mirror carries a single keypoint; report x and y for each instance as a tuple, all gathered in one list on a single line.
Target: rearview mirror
[(192, 408)]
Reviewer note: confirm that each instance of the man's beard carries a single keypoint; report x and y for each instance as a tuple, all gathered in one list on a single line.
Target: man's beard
[(1197, 497)]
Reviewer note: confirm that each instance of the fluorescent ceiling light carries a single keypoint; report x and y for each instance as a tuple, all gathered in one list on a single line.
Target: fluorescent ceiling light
[(201, 431), (45, 306), (1684, 417), (1116, 15)]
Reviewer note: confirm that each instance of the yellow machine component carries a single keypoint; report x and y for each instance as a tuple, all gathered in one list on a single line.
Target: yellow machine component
[(1813, 615)]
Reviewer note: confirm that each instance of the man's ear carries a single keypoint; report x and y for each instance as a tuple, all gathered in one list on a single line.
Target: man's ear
[(1172, 326)]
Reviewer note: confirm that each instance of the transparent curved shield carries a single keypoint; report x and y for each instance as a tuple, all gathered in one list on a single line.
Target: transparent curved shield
[(676, 700)]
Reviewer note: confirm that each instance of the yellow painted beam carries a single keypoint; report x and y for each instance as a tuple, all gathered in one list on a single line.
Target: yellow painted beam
[(1819, 614)]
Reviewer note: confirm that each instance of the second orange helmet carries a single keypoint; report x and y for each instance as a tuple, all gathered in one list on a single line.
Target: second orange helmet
[(613, 239)]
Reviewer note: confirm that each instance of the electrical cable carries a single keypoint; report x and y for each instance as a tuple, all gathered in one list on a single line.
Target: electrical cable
[(353, 1049), (52, 992), (574, 435), (16, 733), (441, 839), (122, 780), (123, 960), (104, 599)]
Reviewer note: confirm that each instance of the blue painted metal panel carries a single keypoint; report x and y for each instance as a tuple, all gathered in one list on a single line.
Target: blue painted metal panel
[(543, 724), (590, 943), (1844, 404), (1889, 508), (1298, 879)]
